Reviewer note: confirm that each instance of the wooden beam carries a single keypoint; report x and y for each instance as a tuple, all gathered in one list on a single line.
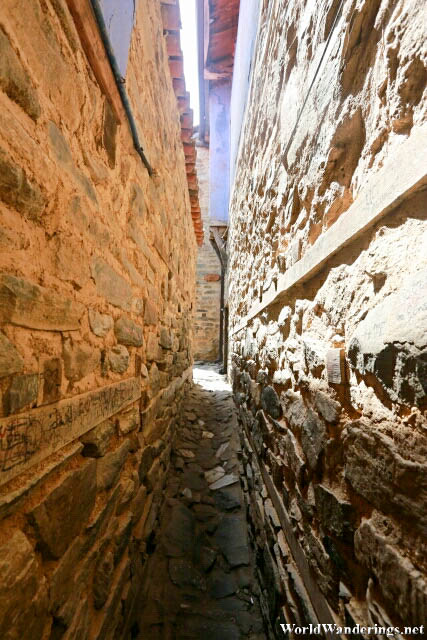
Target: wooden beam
[(94, 49)]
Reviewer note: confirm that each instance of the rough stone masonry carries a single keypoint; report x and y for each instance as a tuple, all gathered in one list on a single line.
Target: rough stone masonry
[(327, 280), (96, 296)]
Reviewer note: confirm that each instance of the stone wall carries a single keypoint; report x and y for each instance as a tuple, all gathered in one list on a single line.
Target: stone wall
[(327, 249), (208, 276), (96, 296)]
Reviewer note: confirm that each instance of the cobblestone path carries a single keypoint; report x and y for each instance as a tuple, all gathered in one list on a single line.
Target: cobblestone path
[(201, 573)]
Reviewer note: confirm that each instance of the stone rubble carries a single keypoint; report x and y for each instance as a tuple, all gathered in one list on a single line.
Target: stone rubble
[(200, 579)]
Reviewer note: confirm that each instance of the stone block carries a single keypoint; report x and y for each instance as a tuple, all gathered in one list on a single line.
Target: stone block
[(80, 624), (102, 579), (402, 585), (150, 313), (122, 536), (313, 438), (102, 626), (328, 408), (59, 145), (154, 380), (100, 323), (52, 380), (118, 358), (110, 466), (62, 514), (110, 285), (165, 339), (294, 409), (378, 469), (270, 402), (137, 203), (109, 133), (15, 81), (293, 455), (153, 350), (22, 392), (128, 422), (231, 537), (128, 332), (62, 579), (138, 504), (97, 441), (79, 360), (10, 360), (148, 455), (27, 305), (18, 191), (390, 342), (336, 515), (23, 592)]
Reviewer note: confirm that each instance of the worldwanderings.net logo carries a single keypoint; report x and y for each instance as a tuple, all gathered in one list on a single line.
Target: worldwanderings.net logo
[(320, 629)]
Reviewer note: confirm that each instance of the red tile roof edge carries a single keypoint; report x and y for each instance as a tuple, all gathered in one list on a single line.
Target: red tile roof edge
[(171, 26)]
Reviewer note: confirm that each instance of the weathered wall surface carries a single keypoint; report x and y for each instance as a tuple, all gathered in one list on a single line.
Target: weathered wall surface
[(208, 276), (335, 463), (96, 295)]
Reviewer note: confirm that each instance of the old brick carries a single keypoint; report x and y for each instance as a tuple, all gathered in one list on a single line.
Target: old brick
[(110, 285), (15, 81), (212, 277), (23, 592), (28, 305), (118, 358), (10, 360), (128, 332), (61, 515), (22, 393), (100, 323)]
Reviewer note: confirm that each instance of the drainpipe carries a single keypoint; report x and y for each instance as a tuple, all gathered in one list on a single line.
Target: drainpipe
[(120, 82), (221, 304)]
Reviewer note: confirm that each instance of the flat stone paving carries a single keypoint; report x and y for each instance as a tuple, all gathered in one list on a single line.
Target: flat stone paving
[(201, 577)]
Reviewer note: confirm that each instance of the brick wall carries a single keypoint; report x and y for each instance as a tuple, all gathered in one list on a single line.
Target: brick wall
[(208, 276), (96, 297), (328, 334)]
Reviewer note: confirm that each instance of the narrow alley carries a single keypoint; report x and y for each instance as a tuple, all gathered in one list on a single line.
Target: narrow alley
[(213, 325), (201, 576)]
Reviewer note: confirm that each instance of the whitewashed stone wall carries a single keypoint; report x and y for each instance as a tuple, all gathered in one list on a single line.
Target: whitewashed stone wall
[(335, 464)]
